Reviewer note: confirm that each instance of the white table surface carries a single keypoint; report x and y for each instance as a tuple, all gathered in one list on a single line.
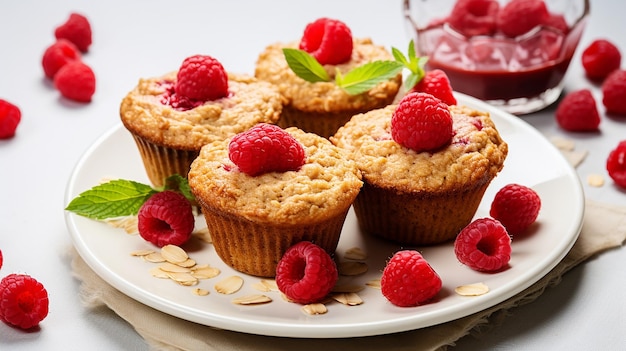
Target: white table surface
[(133, 39)]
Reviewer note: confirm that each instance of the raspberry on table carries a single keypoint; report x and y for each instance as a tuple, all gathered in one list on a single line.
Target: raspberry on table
[(202, 77), (76, 81), (1, 259), (577, 112), (408, 279), (483, 245), (435, 82), (616, 164), (266, 148), (57, 55), (306, 273), (600, 58), (421, 122), (76, 29), (516, 207), (166, 218), (474, 17), (328, 40), (23, 301), (614, 93), (10, 117), (520, 16)]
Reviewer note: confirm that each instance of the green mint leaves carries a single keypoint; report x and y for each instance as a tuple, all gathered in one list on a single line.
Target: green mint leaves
[(121, 197), (362, 78)]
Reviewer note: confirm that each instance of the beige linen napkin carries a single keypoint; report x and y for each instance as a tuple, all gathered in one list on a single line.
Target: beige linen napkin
[(604, 227)]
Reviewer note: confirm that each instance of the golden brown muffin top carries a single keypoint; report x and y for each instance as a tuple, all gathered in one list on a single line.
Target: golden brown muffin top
[(271, 66), (323, 187), (475, 154), (249, 102)]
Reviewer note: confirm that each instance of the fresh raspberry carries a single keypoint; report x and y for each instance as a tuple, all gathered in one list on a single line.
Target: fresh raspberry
[(266, 148), (616, 164), (408, 279), (166, 218), (202, 77), (614, 93), (474, 17), (601, 58), (328, 40), (306, 273), (23, 301), (421, 122), (57, 55), (516, 207), (557, 21), (77, 30), (577, 112), (10, 116), (76, 81), (435, 82), (483, 245), (1, 259), (519, 16)]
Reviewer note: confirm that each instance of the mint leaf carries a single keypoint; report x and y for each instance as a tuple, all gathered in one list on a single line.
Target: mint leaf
[(363, 78), (305, 66), (113, 199), (179, 183), (413, 63)]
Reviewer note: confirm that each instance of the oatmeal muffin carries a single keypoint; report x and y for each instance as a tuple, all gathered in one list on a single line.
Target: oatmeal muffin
[(427, 197), (169, 128), (253, 220)]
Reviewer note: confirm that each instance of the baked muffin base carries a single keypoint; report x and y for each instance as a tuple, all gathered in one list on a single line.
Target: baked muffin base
[(161, 162)]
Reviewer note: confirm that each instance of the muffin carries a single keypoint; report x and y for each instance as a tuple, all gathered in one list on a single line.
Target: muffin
[(322, 107), (170, 128), (254, 219), (421, 197)]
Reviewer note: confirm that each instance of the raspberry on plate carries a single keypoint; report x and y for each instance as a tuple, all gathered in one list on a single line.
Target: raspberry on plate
[(23, 301), (408, 279), (166, 218), (520, 16), (306, 273), (577, 112), (516, 207), (614, 93), (600, 58), (474, 17), (328, 40), (76, 81), (202, 77), (57, 55), (616, 164), (266, 148), (483, 245), (10, 117), (436, 83), (421, 122), (76, 29)]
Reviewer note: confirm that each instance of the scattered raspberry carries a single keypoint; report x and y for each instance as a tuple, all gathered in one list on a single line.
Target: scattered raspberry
[(520, 16), (266, 148), (23, 301), (601, 58), (483, 245), (616, 164), (614, 93), (577, 112), (408, 279), (1, 259), (202, 77), (57, 55), (436, 83), (421, 122), (474, 17), (328, 40), (77, 30), (166, 218), (516, 207), (10, 116), (306, 273), (76, 81)]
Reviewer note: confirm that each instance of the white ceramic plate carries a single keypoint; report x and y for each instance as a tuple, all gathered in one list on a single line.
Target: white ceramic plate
[(532, 161)]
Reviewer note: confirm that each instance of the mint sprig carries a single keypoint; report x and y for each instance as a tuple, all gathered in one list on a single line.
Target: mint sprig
[(305, 66), (413, 63), (121, 197)]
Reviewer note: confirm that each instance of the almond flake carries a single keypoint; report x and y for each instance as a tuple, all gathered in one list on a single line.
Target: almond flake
[(183, 278), (205, 272), (229, 285), (200, 292), (172, 268), (349, 299), (158, 273), (374, 283), (252, 300), (475, 289), (203, 234), (314, 309), (140, 253), (355, 253), (187, 263), (352, 268), (154, 257), (595, 180), (174, 254)]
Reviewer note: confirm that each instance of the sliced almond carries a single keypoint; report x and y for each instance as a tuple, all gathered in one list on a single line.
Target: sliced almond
[(174, 254), (355, 253), (252, 300), (595, 180), (187, 263), (205, 272), (203, 234), (158, 273), (200, 292), (374, 283), (562, 143), (349, 299), (229, 285), (173, 268), (475, 289), (154, 257), (140, 253), (352, 268), (314, 309), (270, 284), (183, 278)]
